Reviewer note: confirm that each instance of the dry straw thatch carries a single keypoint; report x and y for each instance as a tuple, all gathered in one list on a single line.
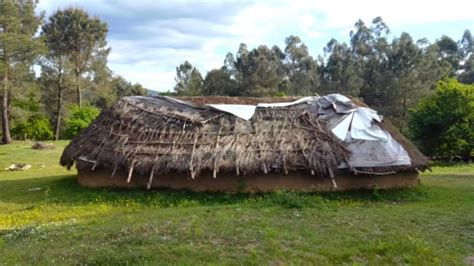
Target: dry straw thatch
[(155, 136)]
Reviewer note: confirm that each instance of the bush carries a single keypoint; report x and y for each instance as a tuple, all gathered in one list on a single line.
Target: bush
[(443, 124), (78, 119), (36, 127)]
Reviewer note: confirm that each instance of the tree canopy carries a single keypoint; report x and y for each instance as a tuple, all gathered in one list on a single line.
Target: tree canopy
[(82, 39), (18, 50), (443, 124), (391, 74), (188, 80)]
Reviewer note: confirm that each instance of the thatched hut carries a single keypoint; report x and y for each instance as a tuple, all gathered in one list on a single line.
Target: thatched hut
[(241, 144)]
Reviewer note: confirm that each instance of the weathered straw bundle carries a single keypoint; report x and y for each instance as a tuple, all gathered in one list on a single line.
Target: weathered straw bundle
[(154, 136)]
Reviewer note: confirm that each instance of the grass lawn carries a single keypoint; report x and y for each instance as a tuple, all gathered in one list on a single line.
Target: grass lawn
[(46, 218)]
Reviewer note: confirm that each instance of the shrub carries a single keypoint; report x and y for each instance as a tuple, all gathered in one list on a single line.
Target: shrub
[(281, 94), (35, 127), (443, 124), (78, 119)]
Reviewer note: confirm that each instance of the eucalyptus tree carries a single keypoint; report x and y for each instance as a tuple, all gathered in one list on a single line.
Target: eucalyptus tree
[(258, 70), (466, 49), (301, 68), (449, 52), (342, 72), (229, 66), (467, 76), (219, 82), (188, 80), (466, 44), (370, 47)]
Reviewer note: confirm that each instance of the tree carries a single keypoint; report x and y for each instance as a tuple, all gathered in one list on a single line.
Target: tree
[(448, 50), (122, 87), (54, 63), (401, 82), (466, 45), (371, 48), (258, 70), (229, 66), (97, 85), (466, 49), (301, 69), (391, 77), (81, 38), (18, 49), (54, 71), (443, 124), (219, 82), (188, 80), (467, 76), (341, 73)]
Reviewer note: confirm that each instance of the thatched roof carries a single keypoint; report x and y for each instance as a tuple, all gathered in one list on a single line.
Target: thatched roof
[(158, 135), (418, 160)]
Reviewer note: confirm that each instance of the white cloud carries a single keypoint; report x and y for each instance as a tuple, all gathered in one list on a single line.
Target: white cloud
[(150, 38), (341, 13)]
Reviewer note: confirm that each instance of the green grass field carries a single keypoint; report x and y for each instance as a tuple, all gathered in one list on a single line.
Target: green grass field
[(46, 218)]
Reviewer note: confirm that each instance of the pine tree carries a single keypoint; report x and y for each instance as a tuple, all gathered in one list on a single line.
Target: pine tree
[(80, 38), (18, 49)]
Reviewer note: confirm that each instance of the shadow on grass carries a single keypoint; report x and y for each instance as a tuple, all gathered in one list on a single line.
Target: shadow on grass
[(65, 190), (467, 176)]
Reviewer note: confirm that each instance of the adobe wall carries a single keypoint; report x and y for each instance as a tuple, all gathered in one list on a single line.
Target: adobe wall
[(298, 181)]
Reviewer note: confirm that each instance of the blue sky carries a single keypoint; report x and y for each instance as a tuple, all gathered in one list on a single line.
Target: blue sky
[(150, 38)]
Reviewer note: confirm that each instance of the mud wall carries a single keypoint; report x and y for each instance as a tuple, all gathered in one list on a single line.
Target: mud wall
[(299, 181)]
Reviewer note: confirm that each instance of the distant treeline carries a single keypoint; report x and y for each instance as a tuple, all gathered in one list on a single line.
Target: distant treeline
[(391, 75), (74, 82)]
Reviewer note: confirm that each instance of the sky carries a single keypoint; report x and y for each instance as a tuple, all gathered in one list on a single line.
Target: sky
[(150, 38)]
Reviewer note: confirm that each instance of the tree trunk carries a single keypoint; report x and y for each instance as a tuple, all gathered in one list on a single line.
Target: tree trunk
[(78, 88), (60, 105), (405, 110), (5, 125)]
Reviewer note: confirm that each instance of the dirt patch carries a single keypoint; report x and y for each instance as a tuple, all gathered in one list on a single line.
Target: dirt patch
[(42, 146), (470, 261)]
